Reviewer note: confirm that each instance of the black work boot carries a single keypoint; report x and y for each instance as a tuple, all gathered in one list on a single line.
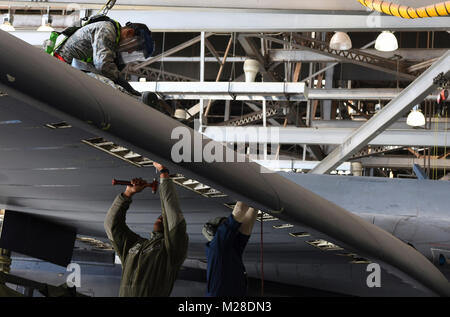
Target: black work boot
[(150, 99)]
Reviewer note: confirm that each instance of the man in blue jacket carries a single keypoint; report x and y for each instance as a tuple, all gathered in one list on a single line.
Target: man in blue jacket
[(228, 237)]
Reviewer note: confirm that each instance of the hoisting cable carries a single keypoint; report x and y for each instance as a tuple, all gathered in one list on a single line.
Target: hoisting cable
[(445, 140), (161, 65), (406, 12), (435, 147), (106, 7), (262, 255)]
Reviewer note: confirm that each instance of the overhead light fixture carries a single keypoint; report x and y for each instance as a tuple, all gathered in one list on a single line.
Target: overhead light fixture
[(415, 118), (386, 42), (340, 41), (46, 23), (7, 23)]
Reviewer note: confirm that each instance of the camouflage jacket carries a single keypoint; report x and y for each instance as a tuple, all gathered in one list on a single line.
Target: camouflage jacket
[(96, 40), (149, 266)]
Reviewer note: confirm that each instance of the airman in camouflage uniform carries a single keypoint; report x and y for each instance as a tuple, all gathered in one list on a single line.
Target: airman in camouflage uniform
[(97, 40), (149, 266)]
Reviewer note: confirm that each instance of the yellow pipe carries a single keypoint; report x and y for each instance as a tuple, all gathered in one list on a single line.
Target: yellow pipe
[(433, 10)]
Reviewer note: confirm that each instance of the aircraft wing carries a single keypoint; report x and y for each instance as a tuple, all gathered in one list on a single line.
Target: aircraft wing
[(34, 78)]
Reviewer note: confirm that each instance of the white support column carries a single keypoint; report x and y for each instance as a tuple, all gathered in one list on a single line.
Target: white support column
[(256, 108), (227, 111), (308, 103), (264, 103), (202, 76), (326, 105), (409, 97)]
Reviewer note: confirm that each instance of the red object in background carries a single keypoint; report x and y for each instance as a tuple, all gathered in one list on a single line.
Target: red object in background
[(59, 57), (153, 185), (442, 97)]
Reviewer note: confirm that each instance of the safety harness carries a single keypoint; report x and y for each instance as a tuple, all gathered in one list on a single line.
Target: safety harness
[(57, 39)]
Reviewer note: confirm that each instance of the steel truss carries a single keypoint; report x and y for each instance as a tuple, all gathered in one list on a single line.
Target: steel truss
[(353, 56)]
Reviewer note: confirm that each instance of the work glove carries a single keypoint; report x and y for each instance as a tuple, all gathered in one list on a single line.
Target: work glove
[(122, 82)]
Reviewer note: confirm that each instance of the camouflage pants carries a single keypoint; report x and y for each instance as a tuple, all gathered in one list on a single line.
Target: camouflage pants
[(109, 82)]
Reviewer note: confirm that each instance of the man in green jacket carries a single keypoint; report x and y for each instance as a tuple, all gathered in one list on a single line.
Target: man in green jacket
[(149, 266)]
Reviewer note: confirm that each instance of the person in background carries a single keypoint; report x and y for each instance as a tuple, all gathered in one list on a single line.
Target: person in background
[(228, 237)]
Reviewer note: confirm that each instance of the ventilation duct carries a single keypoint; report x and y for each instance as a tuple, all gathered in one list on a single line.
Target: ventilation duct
[(251, 68), (406, 12)]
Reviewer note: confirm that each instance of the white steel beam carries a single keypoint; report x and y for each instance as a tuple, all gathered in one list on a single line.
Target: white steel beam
[(299, 55), (247, 16), (225, 90), (330, 136), (197, 59), (283, 55), (276, 91), (296, 164), (403, 162), (353, 94), (408, 98), (326, 5), (436, 124), (256, 108), (229, 20), (367, 162), (359, 94)]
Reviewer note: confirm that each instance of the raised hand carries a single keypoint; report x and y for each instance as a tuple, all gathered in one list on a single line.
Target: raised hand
[(138, 184), (158, 166)]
